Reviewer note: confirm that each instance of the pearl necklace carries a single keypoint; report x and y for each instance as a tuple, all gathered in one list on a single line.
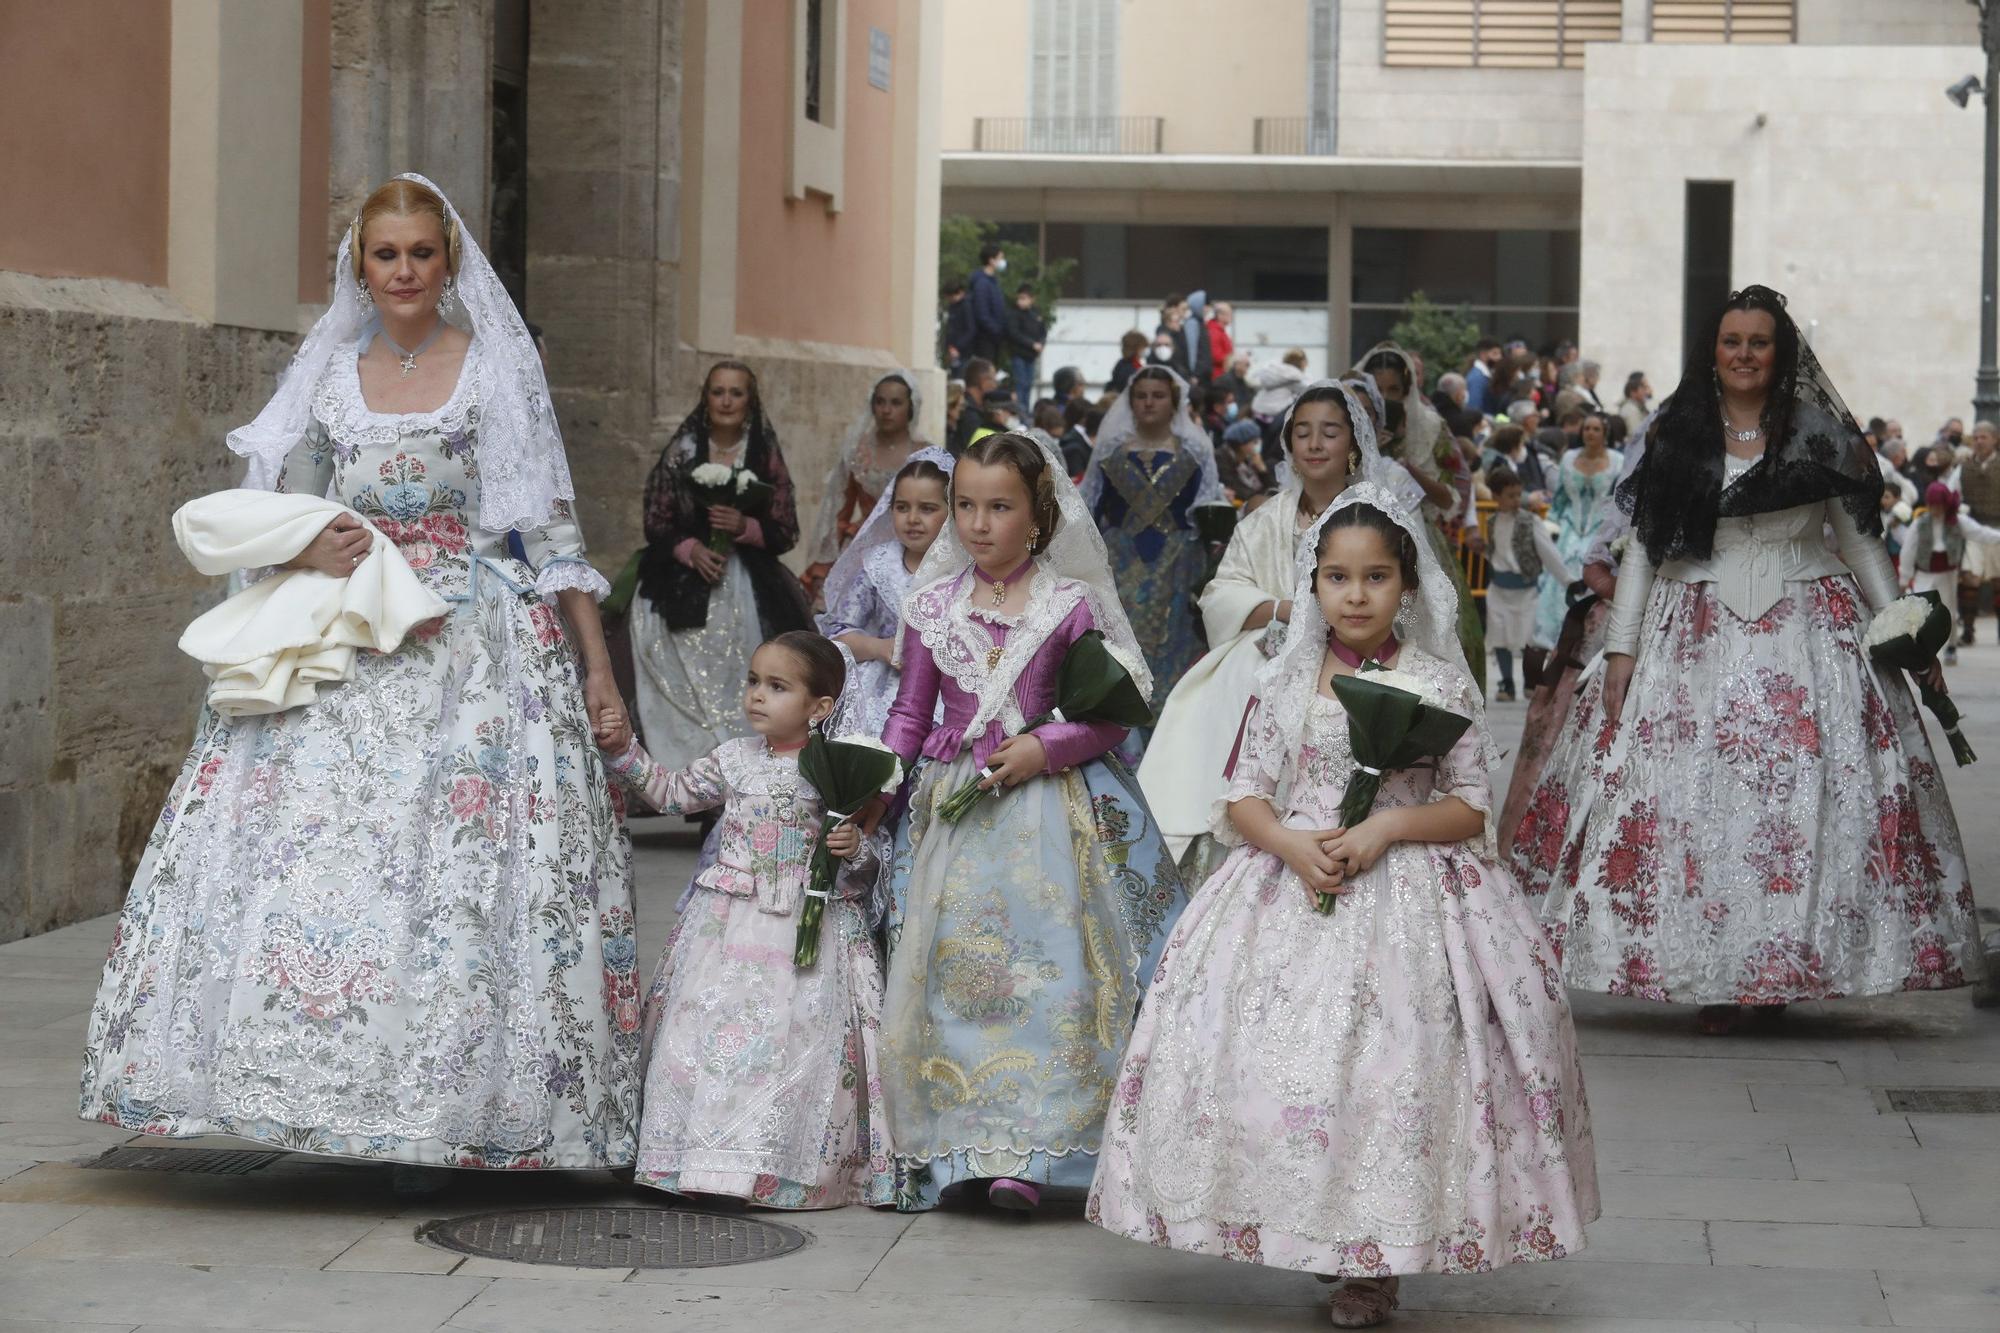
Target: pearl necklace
[(1742, 436)]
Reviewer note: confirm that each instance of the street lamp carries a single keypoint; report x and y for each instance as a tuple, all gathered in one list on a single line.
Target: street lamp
[(1986, 385)]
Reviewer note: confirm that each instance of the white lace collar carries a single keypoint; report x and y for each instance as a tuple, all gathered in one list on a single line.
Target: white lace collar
[(340, 407), (944, 620)]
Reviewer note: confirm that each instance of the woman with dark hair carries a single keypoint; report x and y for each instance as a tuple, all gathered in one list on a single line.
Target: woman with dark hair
[(1744, 809), (701, 612), (1152, 464), (1131, 356)]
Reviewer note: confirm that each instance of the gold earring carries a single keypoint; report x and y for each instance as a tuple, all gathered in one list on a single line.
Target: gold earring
[(1353, 462), (1035, 537)]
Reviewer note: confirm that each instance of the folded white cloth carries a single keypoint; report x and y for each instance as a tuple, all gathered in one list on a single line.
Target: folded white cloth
[(271, 646)]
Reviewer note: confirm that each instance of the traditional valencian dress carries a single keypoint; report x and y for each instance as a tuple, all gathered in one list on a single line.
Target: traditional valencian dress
[(1393, 1088), (860, 475), (864, 595), (692, 639), (1019, 937), (762, 1079), (1580, 505), (1142, 500), (396, 922), (1766, 823)]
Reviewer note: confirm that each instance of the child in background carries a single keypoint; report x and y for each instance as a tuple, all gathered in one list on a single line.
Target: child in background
[(762, 1080), (1934, 550), (1519, 555), (867, 585), (1391, 1088)]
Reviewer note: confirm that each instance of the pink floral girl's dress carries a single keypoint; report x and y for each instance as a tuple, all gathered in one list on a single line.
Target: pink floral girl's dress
[(396, 922), (1390, 1089), (762, 1079)]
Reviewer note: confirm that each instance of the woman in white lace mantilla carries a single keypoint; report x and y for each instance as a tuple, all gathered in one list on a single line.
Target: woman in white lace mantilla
[(880, 441), (396, 922), (1389, 1088), (1743, 809)]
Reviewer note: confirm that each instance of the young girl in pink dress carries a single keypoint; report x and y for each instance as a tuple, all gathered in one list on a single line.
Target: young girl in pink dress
[(1392, 1088), (762, 1080)]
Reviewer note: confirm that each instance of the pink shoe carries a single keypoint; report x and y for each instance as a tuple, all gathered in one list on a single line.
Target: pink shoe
[(1014, 1195)]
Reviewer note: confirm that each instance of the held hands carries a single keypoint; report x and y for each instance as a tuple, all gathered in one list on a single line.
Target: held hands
[(1018, 759), (723, 518), (341, 545), (844, 841), (1305, 852), (707, 563), (1357, 849), (609, 724), (1617, 679)]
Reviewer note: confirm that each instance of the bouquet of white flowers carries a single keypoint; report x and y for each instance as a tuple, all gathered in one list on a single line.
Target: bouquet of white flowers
[(738, 487), (1907, 634)]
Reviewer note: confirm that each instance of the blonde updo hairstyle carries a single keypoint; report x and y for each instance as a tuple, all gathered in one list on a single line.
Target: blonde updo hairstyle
[(1019, 452), (403, 198)]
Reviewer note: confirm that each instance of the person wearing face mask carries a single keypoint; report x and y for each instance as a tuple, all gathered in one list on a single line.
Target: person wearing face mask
[(1743, 809), (989, 306)]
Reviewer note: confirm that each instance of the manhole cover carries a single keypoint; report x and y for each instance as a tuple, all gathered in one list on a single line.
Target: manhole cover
[(194, 1161), (1950, 1101), (613, 1237)]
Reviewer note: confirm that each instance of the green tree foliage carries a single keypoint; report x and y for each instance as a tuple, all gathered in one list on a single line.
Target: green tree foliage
[(1443, 337), (959, 239)]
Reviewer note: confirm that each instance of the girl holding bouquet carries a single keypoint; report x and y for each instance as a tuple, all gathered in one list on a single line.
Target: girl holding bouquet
[(1020, 932), (1392, 1087), (1743, 809), (711, 588), (866, 588), (761, 1077)]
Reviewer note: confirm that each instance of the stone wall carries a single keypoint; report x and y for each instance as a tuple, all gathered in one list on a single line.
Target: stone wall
[(115, 419)]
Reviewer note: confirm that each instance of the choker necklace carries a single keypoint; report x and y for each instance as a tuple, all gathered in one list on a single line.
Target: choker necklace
[(408, 358), (1000, 586), (1355, 661), (1742, 436)]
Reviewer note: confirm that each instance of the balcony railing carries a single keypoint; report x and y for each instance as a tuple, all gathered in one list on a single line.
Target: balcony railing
[(1069, 134), (1293, 136)]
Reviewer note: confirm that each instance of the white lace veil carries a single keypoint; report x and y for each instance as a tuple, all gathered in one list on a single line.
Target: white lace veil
[(1075, 552), (1386, 473), (1288, 682), (880, 528), (1119, 426), (844, 461), (1421, 423), (522, 470)]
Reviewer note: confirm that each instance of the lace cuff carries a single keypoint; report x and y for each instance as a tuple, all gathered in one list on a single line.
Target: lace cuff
[(568, 571)]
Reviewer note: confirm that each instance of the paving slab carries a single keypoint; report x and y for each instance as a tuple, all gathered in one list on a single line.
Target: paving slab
[(1657, 1157), (22, 1224), (393, 1247), (1646, 1240), (1616, 1290), (1930, 1249), (1947, 1300), (1814, 1098), (829, 1263), (301, 1299), (215, 1237), (1884, 1203)]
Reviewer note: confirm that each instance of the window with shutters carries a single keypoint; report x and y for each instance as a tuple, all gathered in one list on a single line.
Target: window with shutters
[(815, 146), (1073, 76), (1771, 22), (1517, 34)]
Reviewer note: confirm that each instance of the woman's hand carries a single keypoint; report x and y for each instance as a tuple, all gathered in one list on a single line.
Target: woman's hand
[(1359, 848), (844, 841), (1016, 760), (1602, 580), (1304, 851), (1932, 675), (341, 545), (708, 564), (724, 518), (870, 814), (1283, 615), (1617, 679), (609, 723)]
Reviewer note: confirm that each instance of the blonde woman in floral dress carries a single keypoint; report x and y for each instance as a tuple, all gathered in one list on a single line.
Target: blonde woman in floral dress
[(396, 922)]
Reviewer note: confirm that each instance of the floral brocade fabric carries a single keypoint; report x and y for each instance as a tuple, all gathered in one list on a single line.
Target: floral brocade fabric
[(395, 922), (1393, 1088), (1765, 824)]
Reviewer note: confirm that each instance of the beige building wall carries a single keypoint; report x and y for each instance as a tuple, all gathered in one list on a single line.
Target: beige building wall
[(1881, 269), (1210, 71), (1885, 22), (986, 58)]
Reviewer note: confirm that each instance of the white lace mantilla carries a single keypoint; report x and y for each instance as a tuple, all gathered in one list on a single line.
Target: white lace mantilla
[(943, 619)]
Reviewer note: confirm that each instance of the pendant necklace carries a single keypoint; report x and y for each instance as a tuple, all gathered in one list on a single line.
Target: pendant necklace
[(408, 358), (1742, 436)]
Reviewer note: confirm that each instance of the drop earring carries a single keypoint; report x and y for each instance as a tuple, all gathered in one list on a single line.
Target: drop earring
[(1034, 539), (448, 297), (361, 286)]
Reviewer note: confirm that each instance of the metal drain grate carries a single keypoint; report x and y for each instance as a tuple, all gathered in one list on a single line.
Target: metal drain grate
[(614, 1237), (1948, 1101), (191, 1161)]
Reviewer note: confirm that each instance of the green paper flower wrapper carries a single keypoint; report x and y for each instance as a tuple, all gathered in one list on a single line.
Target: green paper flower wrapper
[(847, 774)]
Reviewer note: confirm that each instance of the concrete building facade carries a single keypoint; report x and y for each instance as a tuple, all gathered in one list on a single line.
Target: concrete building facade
[(646, 174), (1531, 161)]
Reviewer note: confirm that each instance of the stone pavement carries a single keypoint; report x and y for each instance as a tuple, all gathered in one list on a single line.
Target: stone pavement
[(1757, 1182)]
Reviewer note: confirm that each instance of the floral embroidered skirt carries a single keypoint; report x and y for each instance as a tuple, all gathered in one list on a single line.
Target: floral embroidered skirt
[(1019, 939), (395, 922), (1766, 824), (1542, 728), (1390, 1089), (762, 1079)]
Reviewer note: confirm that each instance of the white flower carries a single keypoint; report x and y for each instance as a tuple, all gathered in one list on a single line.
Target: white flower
[(872, 743), (745, 479), (1620, 546), (1902, 512), (1900, 619), (712, 474)]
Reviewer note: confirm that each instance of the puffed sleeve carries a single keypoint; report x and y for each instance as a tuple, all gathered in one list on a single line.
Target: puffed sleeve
[(555, 552), (1260, 756), (1864, 555), (308, 468), (700, 786)]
